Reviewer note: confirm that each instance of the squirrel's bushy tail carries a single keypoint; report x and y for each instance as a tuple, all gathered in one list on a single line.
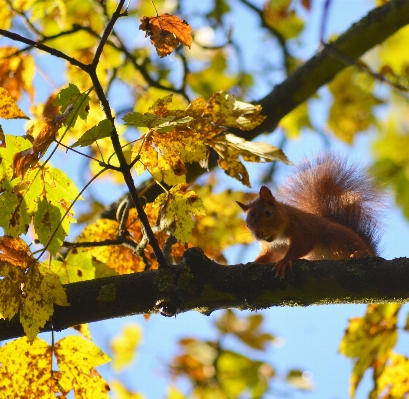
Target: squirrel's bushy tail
[(340, 191)]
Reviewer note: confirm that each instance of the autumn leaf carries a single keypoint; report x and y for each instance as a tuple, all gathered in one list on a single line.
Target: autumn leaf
[(83, 329), (43, 288), (27, 286), (77, 358), (393, 382), (75, 267), (352, 108), (123, 346), (177, 208), (227, 111), (26, 370), (9, 108), (16, 72), (155, 122), (166, 32), (369, 339)]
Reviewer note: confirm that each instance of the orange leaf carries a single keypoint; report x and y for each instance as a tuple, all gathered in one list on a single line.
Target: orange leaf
[(9, 108), (166, 32)]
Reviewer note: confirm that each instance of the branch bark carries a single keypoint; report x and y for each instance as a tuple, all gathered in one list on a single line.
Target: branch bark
[(200, 284)]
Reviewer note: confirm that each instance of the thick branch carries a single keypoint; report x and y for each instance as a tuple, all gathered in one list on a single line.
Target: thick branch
[(371, 30), (200, 284)]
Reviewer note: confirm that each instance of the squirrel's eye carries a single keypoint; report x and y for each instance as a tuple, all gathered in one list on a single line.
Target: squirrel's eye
[(268, 212)]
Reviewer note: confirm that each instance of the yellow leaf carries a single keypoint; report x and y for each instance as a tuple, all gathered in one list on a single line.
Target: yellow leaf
[(42, 288), (391, 55), (177, 208), (124, 346), (117, 257), (393, 382), (26, 371), (222, 215), (77, 358), (15, 257), (9, 108), (369, 339), (296, 120), (5, 15), (120, 392), (84, 330), (227, 111), (352, 107)]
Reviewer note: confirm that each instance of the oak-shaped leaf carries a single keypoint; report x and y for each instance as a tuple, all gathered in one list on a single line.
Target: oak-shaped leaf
[(8, 107), (166, 32), (102, 130)]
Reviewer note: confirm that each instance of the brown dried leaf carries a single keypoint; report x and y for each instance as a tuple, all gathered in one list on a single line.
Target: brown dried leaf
[(166, 32), (24, 160)]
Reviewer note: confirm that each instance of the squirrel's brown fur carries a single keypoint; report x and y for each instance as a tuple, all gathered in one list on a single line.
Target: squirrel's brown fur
[(329, 211)]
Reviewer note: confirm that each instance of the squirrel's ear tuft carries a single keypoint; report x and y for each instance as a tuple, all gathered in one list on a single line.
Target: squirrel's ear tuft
[(266, 195), (243, 206)]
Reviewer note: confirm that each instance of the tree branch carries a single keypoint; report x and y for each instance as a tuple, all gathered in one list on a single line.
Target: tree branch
[(200, 284), (371, 30)]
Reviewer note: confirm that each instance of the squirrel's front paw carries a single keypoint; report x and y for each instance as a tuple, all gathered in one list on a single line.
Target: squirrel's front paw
[(281, 266)]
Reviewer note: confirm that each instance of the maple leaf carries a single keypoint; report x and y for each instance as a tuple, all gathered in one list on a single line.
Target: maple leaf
[(102, 130), (28, 283), (227, 111), (77, 358), (44, 195), (8, 107), (25, 370), (176, 208), (166, 32), (42, 289)]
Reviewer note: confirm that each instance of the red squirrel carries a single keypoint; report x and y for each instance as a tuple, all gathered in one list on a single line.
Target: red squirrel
[(329, 211)]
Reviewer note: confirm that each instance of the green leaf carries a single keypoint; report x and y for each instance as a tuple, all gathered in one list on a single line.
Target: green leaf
[(75, 267), (46, 219), (102, 130), (238, 374), (80, 101)]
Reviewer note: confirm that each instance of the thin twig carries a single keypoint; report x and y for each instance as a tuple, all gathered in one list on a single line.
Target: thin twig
[(125, 170), (43, 47)]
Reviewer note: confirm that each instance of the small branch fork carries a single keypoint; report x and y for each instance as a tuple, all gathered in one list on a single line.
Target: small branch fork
[(124, 168)]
